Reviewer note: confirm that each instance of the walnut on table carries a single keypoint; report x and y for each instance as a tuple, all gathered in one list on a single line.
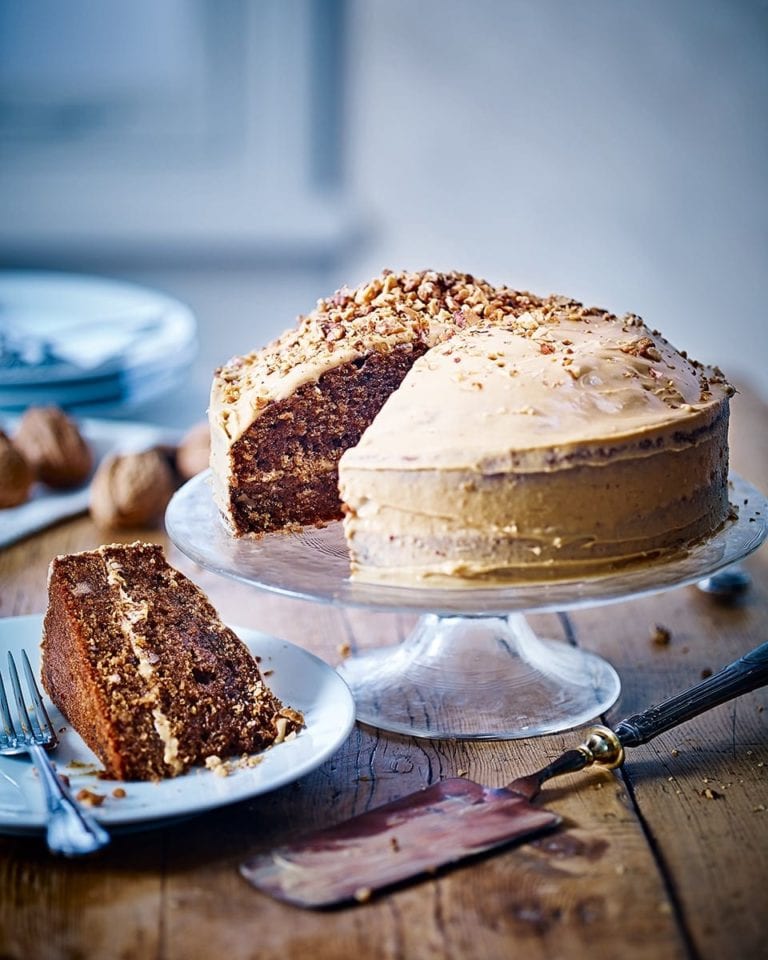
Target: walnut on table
[(194, 450), (16, 475), (54, 447), (128, 489), (131, 490)]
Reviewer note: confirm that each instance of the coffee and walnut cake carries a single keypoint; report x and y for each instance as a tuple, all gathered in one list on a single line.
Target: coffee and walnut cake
[(137, 660), (281, 417), (504, 435)]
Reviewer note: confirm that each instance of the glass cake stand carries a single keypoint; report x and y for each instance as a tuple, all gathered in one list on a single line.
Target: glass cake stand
[(473, 668)]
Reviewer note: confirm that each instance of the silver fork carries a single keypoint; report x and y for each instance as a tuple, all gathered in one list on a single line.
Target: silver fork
[(70, 830)]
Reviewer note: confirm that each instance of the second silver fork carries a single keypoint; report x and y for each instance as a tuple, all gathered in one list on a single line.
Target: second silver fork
[(70, 830)]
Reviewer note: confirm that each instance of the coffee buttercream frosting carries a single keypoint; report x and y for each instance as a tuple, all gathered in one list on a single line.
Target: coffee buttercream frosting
[(550, 448), (281, 416), (489, 433)]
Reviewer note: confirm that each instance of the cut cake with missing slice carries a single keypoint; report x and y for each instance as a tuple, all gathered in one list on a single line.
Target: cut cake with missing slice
[(137, 660), (281, 417)]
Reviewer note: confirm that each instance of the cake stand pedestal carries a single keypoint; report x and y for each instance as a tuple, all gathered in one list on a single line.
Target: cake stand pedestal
[(473, 668), (479, 678)]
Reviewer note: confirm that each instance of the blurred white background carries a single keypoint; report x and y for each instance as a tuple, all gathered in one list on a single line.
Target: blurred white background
[(250, 157)]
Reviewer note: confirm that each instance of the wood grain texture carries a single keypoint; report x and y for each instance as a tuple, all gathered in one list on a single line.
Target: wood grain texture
[(647, 864)]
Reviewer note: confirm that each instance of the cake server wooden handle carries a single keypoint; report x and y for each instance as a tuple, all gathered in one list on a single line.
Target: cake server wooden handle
[(604, 746), (747, 673)]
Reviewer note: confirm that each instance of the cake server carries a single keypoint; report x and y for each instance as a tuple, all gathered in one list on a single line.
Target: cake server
[(458, 818)]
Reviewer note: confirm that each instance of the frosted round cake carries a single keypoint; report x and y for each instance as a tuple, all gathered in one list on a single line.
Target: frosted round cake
[(489, 434)]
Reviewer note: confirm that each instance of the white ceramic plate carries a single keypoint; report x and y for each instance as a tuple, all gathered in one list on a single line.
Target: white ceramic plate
[(84, 327), (300, 679)]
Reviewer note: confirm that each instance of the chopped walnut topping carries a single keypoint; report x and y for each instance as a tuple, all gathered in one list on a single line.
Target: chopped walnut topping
[(294, 716), (408, 311), (644, 347)]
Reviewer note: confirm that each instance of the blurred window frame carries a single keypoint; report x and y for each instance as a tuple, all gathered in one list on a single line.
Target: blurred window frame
[(257, 169)]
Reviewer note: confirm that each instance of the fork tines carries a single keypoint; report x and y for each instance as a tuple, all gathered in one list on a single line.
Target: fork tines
[(36, 725), (8, 737)]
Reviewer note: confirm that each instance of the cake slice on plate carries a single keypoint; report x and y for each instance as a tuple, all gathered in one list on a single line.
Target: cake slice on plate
[(137, 660)]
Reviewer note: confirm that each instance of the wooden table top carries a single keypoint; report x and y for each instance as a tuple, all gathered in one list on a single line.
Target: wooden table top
[(667, 858)]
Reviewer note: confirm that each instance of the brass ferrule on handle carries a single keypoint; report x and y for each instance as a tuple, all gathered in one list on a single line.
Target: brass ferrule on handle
[(605, 747), (602, 747)]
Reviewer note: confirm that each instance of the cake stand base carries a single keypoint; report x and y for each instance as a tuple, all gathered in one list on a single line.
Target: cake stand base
[(479, 678)]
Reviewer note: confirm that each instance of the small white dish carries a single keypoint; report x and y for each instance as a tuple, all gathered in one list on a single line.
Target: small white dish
[(300, 679)]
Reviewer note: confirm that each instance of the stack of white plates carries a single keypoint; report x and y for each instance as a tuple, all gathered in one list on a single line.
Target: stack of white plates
[(88, 343)]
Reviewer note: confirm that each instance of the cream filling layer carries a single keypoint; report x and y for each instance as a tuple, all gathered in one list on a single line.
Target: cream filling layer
[(133, 613)]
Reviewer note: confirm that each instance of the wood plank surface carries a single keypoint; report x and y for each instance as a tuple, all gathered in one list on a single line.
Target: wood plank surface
[(667, 859)]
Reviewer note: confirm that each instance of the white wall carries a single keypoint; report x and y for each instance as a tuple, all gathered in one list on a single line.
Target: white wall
[(612, 150)]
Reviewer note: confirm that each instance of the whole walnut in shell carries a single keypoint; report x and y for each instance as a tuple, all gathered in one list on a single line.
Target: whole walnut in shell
[(16, 476), (131, 490), (194, 451), (54, 447)]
